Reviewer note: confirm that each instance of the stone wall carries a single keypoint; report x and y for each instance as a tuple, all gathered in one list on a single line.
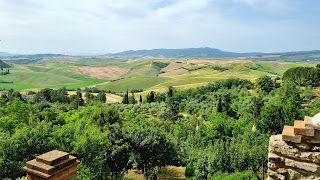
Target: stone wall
[(295, 154), (53, 165)]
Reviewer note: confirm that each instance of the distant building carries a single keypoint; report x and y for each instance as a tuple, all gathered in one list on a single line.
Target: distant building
[(272, 75)]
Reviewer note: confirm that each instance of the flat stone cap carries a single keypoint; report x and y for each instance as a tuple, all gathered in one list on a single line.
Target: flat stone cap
[(52, 165), (53, 157)]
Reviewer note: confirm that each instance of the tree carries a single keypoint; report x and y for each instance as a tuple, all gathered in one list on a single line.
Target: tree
[(101, 97), (151, 97), (125, 99), (307, 94), (60, 95), (119, 153), (265, 84), (89, 97), (272, 117), (79, 98), (257, 105), (151, 148), (106, 116), (219, 105), (24, 145), (133, 99)]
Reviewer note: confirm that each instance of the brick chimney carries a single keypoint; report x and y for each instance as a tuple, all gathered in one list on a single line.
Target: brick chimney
[(53, 165)]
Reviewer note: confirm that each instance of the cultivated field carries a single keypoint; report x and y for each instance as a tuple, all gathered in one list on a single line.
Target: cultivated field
[(122, 74)]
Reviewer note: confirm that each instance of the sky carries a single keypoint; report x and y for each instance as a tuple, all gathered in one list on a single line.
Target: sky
[(92, 27)]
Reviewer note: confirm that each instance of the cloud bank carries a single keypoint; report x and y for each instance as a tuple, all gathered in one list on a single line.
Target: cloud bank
[(103, 26)]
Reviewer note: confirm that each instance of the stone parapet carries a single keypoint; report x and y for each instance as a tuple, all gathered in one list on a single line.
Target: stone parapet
[(295, 154), (53, 165)]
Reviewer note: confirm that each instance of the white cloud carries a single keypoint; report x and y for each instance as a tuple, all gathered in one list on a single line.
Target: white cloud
[(101, 26)]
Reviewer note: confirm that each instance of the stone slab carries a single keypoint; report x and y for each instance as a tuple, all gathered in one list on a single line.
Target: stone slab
[(309, 167), (44, 168), (62, 174), (52, 157), (41, 167), (36, 173)]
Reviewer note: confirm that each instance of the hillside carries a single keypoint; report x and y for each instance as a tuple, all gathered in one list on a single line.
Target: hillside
[(4, 65), (119, 75)]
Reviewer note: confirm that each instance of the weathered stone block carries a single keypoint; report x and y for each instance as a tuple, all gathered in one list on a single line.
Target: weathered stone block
[(283, 149), (311, 167)]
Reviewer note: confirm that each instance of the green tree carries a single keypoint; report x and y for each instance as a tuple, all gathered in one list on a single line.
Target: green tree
[(79, 98), (106, 116), (101, 97), (151, 148), (272, 117), (89, 97), (219, 105), (125, 99), (133, 99), (22, 146), (151, 97), (119, 153), (264, 84)]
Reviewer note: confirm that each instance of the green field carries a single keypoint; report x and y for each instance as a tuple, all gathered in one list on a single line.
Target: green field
[(132, 83), (142, 74), (52, 75)]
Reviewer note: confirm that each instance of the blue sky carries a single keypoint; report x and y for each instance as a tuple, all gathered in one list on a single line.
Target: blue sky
[(104, 26)]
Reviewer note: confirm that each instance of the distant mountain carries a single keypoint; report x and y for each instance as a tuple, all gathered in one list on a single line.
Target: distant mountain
[(4, 54), (4, 65), (37, 56), (31, 56), (184, 53)]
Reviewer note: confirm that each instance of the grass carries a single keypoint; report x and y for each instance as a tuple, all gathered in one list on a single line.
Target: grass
[(142, 74), (53, 75), (143, 69), (16, 87), (85, 82), (132, 83)]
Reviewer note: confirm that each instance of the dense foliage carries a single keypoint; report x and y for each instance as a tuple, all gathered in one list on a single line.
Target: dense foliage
[(207, 129), (303, 75), (160, 64)]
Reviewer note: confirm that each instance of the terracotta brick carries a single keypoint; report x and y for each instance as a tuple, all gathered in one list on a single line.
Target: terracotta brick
[(288, 135), (300, 129)]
